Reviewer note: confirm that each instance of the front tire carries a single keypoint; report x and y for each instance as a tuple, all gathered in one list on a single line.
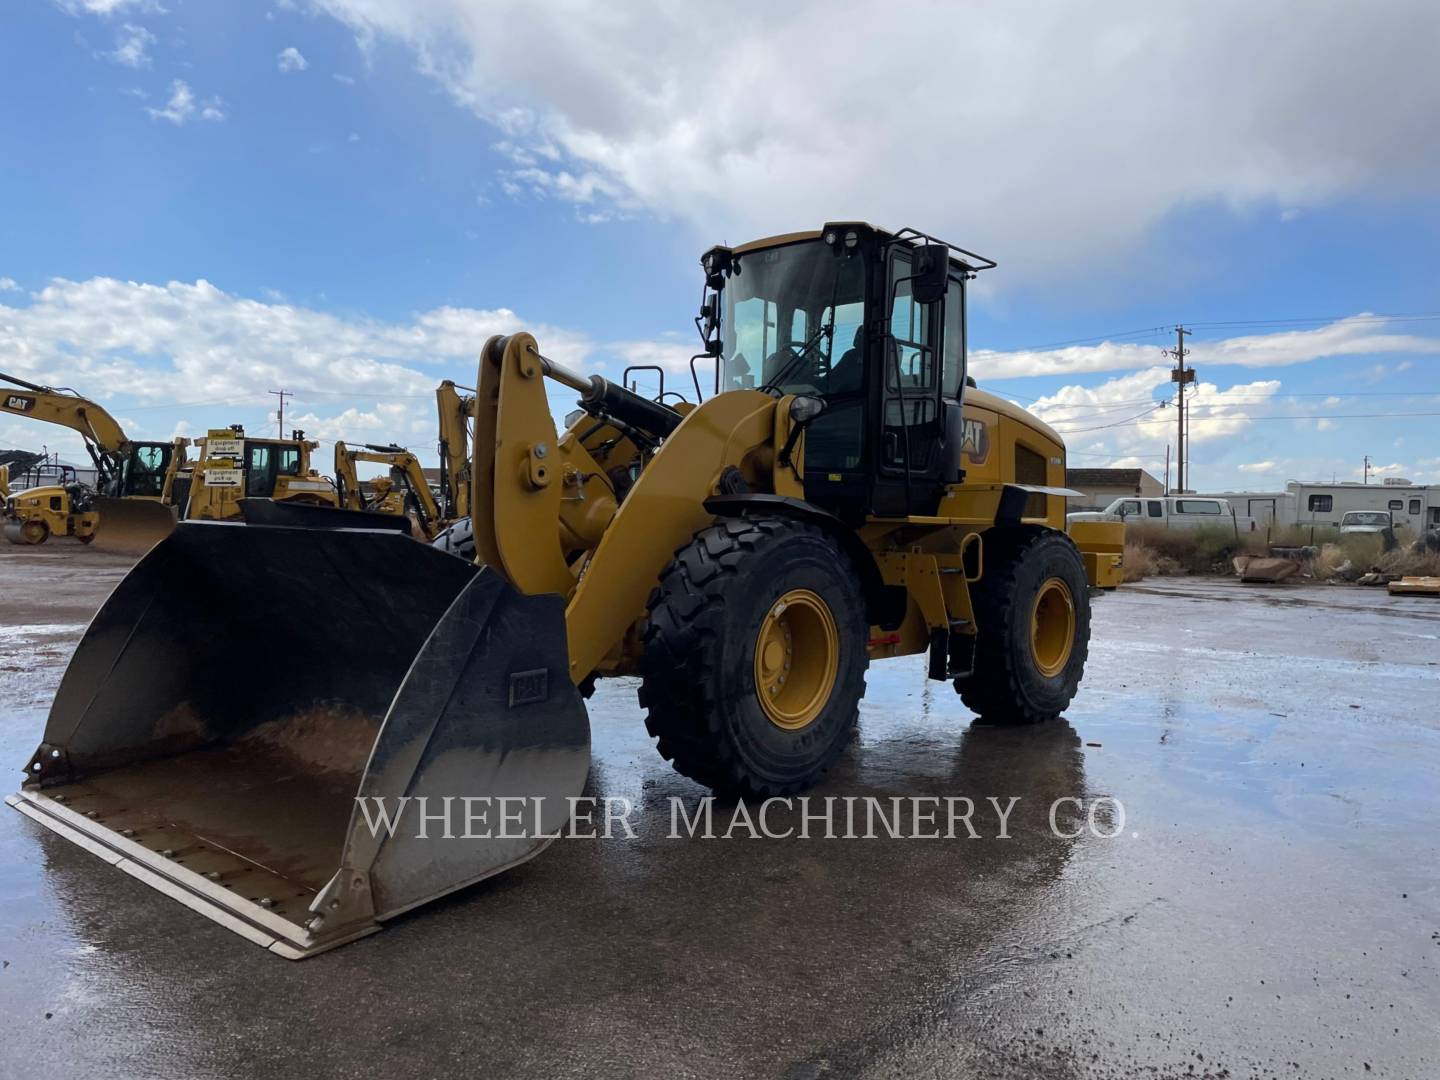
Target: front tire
[(28, 532), (755, 656), (1032, 609)]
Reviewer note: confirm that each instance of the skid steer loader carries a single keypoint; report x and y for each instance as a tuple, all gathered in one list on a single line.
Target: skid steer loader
[(844, 497)]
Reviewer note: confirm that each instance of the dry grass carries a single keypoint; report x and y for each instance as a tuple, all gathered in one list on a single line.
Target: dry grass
[(1366, 553), (1153, 552), (1189, 551)]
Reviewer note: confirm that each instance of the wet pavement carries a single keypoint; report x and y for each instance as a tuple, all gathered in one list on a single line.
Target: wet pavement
[(1270, 905)]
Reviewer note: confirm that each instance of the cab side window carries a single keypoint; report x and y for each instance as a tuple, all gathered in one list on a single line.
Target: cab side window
[(1155, 508), (952, 372), (910, 327)]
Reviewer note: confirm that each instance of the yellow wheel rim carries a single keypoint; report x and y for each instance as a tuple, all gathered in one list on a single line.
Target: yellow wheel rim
[(1052, 627), (797, 657)]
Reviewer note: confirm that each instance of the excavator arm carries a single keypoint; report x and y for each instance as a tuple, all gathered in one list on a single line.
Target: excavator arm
[(398, 459), (103, 436), (347, 484), (455, 412)]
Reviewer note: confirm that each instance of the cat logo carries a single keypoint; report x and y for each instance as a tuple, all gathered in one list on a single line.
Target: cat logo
[(19, 403), (975, 441)]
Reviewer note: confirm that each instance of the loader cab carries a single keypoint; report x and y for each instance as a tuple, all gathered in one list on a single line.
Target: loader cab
[(873, 323)]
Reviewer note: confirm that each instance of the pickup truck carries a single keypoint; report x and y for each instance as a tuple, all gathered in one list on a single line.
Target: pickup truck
[(1366, 521), (1170, 512)]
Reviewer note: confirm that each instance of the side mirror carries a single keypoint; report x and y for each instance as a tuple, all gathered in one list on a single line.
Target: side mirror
[(709, 315), (932, 273)]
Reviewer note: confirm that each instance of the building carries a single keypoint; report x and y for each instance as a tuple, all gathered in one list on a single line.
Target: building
[(1101, 487)]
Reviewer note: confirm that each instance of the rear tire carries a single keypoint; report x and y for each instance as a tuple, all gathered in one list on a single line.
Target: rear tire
[(1032, 607), (755, 656)]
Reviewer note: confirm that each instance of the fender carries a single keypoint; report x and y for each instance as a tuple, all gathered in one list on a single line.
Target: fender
[(882, 606)]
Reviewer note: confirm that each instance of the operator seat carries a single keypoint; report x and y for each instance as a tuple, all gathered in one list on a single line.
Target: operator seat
[(848, 373)]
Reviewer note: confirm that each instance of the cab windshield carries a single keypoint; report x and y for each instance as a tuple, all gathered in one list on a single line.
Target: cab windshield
[(1366, 517), (792, 319)]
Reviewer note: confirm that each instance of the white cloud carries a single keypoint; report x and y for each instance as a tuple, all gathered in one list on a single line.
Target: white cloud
[(194, 347), (9, 284), (291, 60), (195, 342), (109, 7), (343, 80), (131, 45), (1257, 467), (182, 106), (1041, 138), (1123, 417), (1357, 335)]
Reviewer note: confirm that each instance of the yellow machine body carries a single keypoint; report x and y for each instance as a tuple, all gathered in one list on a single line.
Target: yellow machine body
[(707, 547), (233, 467)]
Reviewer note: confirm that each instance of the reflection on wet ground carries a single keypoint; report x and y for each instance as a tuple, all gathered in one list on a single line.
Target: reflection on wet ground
[(1270, 907)]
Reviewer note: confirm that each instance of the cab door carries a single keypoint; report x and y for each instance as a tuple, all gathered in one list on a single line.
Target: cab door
[(911, 420)]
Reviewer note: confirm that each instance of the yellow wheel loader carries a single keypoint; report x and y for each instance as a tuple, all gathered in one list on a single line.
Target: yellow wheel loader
[(416, 722), (132, 504)]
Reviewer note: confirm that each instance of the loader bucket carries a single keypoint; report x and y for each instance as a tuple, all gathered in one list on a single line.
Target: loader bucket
[(132, 525), (245, 685)]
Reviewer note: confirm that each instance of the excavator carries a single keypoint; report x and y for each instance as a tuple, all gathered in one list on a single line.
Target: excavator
[(403, 492), (136, 481), (842, 496)]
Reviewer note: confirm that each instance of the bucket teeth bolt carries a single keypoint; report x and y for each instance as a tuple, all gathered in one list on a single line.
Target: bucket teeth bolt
[(266, 902), (168, 853)]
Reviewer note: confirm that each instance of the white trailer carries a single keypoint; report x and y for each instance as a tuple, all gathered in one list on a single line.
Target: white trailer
[(1413, 506), (1322, 505)]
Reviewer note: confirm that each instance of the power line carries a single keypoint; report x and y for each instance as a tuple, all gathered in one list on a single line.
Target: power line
[(1253, 417), (1419, 316)]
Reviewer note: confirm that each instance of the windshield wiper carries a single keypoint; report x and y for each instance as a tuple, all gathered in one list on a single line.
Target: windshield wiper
[(825, 329)]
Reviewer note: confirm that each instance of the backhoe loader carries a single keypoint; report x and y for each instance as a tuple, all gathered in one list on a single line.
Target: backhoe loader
[(130, 506), (404, 492), (842, 496)]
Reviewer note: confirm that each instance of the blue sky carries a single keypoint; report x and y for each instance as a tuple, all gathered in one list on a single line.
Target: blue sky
[(201, 201)]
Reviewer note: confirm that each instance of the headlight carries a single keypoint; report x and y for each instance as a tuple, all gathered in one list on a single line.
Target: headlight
[(805, 408)]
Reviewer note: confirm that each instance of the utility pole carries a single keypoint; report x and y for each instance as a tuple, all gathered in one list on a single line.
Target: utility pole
[(1180, 376), (280, 413), (1367, 468)]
